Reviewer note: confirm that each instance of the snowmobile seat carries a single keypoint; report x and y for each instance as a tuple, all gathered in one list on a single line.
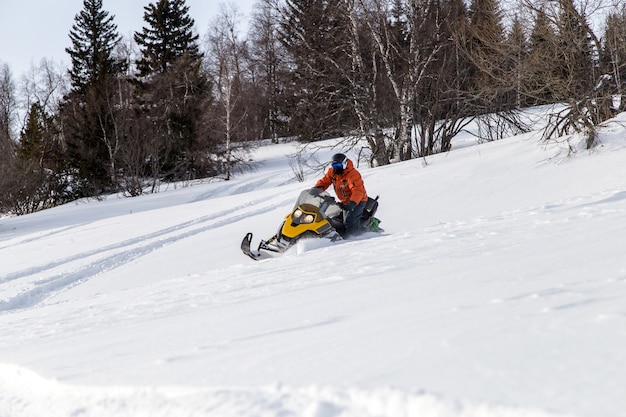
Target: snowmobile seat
[(370, 208)]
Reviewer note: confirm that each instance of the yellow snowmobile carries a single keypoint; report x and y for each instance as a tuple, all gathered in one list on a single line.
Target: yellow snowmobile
[(315, 214)]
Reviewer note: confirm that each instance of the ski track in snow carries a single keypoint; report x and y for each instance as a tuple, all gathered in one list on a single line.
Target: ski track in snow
[(112, 256), (36, 237)]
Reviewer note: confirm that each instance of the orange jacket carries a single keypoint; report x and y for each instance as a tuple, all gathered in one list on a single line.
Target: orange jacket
[(348, 186)]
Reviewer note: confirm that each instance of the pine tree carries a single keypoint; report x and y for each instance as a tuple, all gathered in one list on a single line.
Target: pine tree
[(487, 48), (94, 37), (169, 35), (39, 139), (574, 59), (486, 18), (32, 138), (575, 79), (315, 36), (540, 83), (614, 51), (516, 39), (518, 50), (542, 34), (173, 90), (85, 114)]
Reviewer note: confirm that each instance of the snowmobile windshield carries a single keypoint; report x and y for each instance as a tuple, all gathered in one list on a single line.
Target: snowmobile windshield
[(326, 204)]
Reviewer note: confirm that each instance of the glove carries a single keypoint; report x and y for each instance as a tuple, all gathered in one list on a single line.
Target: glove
[(350, 206), (315, 191)]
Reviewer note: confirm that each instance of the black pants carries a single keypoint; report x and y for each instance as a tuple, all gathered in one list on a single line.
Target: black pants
[(353, 218)]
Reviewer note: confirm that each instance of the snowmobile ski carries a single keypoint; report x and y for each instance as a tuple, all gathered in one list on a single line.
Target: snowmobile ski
[(245, 247)]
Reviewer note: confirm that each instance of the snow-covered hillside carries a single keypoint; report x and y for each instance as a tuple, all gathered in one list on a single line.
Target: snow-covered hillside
[(498, 289)]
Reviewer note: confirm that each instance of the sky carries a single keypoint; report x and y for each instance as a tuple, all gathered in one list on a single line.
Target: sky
[(496, 290), (31, 30)]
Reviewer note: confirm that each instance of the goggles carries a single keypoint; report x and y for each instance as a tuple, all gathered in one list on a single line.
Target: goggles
[(338, 165)]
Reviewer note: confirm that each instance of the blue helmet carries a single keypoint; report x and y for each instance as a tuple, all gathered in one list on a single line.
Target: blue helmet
[(339, 162)]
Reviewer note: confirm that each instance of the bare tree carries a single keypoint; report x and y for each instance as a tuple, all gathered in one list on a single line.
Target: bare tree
[(614, 53), (413, 41), (45, 84), (268, 56), (574, 78), (443, 105), (8, 107), (7, 113), (31, 168), (363, 78), (399, 57), (225, 69)]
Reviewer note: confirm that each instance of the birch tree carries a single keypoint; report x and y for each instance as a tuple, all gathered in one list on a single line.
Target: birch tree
[(408, 44), (225, 69)]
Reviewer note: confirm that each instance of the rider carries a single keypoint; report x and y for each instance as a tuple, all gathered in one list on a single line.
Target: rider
[(349, 189)]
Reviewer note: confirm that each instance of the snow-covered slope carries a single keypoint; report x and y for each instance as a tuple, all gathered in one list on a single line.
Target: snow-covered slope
[(498, 289)]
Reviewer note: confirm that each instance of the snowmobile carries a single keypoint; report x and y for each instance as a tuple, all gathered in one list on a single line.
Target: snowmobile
[(315, 214)]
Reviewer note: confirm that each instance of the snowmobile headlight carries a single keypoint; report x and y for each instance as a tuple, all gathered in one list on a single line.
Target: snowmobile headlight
[(308, 218), (297, 213)]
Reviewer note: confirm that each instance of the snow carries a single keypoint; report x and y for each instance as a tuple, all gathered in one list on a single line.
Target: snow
[(497, 289)]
